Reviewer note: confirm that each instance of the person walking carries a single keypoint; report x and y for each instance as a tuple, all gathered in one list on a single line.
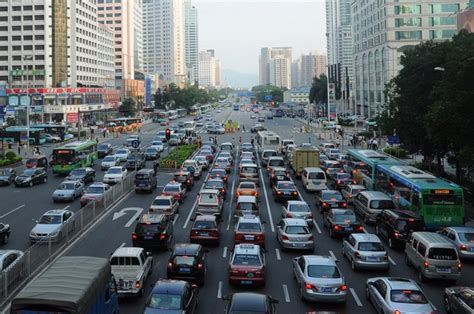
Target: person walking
[(375, 144), (19, 149)]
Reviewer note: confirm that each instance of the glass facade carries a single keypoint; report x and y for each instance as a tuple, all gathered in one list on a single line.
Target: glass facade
[(408, 9), (59, 28), (442, 33), (443, 20), (408, 22), (408, 35), (443, 8)]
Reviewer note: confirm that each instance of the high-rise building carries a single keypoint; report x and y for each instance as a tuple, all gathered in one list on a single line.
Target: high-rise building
[(125, 18), (280, 71), (339, 47), (307, 69), (295, 73), (320, 65), (267, 54), (191, 37), (218, 74), (383, 31), (164, 33), (207, 69)]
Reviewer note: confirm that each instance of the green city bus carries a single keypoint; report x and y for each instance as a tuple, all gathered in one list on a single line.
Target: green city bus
[(74, 155), (438, 201)]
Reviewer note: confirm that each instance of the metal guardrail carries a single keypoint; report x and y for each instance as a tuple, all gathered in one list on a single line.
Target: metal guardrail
[(40, 253)]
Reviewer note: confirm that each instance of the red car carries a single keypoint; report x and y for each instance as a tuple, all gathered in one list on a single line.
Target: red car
[(208, 153), (247, 265), (205, 229), (176, 190), (249, 229)]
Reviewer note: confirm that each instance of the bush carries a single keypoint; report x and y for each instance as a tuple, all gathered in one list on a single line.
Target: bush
[(396, 152), (179, 155), (6, 162), (10, 155)]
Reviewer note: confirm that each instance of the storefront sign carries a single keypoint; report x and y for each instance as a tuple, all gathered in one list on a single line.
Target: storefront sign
[(72, 117)]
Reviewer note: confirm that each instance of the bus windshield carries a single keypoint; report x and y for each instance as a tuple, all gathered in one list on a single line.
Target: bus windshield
[(63, 156)]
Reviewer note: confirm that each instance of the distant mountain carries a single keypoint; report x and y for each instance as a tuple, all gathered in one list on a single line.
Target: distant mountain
[(237, 79)]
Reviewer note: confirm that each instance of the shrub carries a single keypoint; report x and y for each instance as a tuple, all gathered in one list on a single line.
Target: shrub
[(179, 154), (10, 155), (396, 152)]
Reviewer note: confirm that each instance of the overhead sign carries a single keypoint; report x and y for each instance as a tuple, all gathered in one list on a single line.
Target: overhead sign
[(136, 144), (268, 97)]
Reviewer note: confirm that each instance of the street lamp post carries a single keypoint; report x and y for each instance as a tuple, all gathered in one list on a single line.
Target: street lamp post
[(28, 57)]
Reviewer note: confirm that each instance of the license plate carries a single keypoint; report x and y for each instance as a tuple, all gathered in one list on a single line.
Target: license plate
[(185, 269), (333, 205), (372, 259), (141, 185), (287, 193), (249, 237), (204, 234), (280, 177), (349, 228), (298, 244), (326, 290), (148, 237), (246, 282), (443, 269)]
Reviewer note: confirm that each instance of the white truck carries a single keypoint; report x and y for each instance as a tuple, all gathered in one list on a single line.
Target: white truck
[(131, 266)]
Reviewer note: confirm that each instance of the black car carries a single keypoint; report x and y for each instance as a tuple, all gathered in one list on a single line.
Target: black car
[(152, 153), (104, 149), (248, 302), (459, 300), (270, 117), (172, 296), (32, 176), (145, 180), (257, 128), (4, 232), (7, 176), (285, 191), (216, 184), (187, 262), (395, 226), (342, 222), (153, 231), (278, 174), (135, 161), (85, 175), (186, 179), (327, 199), (341, 179)]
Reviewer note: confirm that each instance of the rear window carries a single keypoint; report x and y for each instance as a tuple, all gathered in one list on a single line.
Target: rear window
[(269, 153), (142, 176), (323, 271), (382, 204), (246, 206), (297, 230), (162, 202), (142, 228), (443, 254), (247, 185), (124, 261), (248, 170), (347, 218), (246, 260), (466, 237), (184, 260), (214, 185), (203, 224), (171, 188), (371, 247), (286, 186), (408, 296), (316, 176), (408, 225), (249, 227), (332, 196), (276, 162)]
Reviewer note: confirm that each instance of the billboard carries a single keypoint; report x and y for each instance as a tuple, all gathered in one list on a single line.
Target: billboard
[(332, 101), (72, 117), (148, 90)]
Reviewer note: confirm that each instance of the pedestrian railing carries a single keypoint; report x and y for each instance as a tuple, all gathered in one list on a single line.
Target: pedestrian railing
[(44, 249)]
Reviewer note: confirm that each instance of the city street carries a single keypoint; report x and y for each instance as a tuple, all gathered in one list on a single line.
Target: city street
[(112, 232)]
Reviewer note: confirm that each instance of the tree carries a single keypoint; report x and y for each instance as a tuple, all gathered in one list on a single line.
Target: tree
[(128, 107), (261, 91), (319, 90), (159, 99)]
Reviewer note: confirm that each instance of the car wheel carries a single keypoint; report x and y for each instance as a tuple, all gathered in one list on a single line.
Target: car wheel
[(367, 293), (447, 305), (5, 239)]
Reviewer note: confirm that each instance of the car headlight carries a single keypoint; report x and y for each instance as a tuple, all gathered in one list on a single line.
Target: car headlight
[(54, 233), (32, 234)]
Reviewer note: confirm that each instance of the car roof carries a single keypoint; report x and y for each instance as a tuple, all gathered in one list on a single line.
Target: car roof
[(365, 237), (297, 203), (55, 212), (127, 251), (69, 182), (205, 218), (249, 219), (168, 286), (116, 167), (401, 283), (279, 168), (356, 186), (248, 165), (182, 173), (141, 171), (377, 194), (247, 248), (275, 157), (185, 249), (246, 199), (295, 222), (313, 169), (249, 183), (98, 184), (319, 260)]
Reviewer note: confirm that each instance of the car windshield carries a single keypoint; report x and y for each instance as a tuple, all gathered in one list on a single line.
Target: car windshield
[(109, 158), (286, 186), (4, 172), (382, 204), (371, 247), (165, 301), (316, 176), (298, 208), (408, 296), (204, 224), (50, 220), (349, 217), (161, 202), (95, 190), (122, 151), (296, 230), (78, 172), (28, 172), (171, 188), (114, 171), (67, 186), (466, 236), (249, 227), (332, 196), (247, 185), (323, 271), (246, 260)]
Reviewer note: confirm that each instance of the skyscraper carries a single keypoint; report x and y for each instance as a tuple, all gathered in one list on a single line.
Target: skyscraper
[(164, 33), (280, 71), (207, 69), (191, 35), (321, 63), (267, 54)]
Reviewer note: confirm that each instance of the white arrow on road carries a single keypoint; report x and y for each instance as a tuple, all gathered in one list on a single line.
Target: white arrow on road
[(123, 212)]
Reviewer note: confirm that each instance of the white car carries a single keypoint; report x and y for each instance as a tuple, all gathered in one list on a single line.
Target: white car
[(109, 161), (115, 174), (122, 154), (158, 145), (202, 160)]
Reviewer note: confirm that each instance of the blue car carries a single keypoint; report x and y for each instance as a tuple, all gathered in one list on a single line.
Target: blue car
[(172, 296)]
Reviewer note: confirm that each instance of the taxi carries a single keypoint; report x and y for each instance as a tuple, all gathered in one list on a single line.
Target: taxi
[(247, 265), (247, 188), (249, 229)]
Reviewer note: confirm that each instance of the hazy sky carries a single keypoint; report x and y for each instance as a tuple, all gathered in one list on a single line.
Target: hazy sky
[(237, 29)]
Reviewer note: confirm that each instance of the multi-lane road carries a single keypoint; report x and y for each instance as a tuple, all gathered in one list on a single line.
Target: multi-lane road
[(20, 207)]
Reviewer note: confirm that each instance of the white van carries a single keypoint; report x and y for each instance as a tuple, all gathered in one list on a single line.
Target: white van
[(196, 165), (314, 179)]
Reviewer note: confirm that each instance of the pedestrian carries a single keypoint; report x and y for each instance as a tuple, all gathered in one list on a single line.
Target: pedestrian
[(19, 149), (252, 141), (375, 144), (243, 128), (240, 140), (104, 132)]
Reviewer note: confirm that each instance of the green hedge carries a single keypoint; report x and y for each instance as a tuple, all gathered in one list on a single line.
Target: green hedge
[(396, 152), (6, 162), (179, 155)]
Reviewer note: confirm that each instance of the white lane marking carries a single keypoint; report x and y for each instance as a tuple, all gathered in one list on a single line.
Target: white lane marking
[(232, 192), (190, 214), (122, 245), (224, 254), (175, 219), (12, 211), (219, 290), (316, 226), (277, 251), (332, 255), (434, 307), (392, 261), (356, 298), (266, 196), (285, 292)]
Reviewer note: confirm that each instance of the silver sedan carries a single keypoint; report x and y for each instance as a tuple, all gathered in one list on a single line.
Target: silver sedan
[(319, 279), (293, 233), (364, 250), (68, 191)]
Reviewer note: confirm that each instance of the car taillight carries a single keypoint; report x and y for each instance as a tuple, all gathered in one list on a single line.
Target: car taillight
[(337, 228), (357, 254), (463, 247), (200, 266), (187, 181), (354, 182), (260, 237), (350, 195), (223, 190), (385, 256), (279, 193), (310, 216), (290, 215), (426, 264), (295, 193), (339, 181), (284, 237), (134, 236), (310, 238), (238, 193), (138, 285), (343, 288), (396, 234), (344, 204), (162, 236), (397, 312), (325, 204), (170, 265), (459, 267), (309, 286), (360, 228)]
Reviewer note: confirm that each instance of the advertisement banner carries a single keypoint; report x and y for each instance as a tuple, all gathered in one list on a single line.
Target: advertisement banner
[(332, 101), (72, 117), (148, 91)]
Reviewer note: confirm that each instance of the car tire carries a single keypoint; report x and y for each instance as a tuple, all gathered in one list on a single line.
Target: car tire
[(447, 304), (5, 239), (367, 293)]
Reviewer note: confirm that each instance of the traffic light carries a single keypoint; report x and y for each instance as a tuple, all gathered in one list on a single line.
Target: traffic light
[(168, 134)]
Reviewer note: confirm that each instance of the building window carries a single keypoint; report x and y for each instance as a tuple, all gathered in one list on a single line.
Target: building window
[(442, 33), (408, 9), (443, 8), (410, 35), (408, 22), (443, 20)]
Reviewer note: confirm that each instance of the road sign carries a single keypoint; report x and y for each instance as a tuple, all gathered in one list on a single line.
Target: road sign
[(135, 144), (268, 97)]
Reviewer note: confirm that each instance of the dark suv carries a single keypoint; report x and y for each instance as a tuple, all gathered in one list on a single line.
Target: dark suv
[(153, 231), (145, 180), (187, 262), (396, 225)]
